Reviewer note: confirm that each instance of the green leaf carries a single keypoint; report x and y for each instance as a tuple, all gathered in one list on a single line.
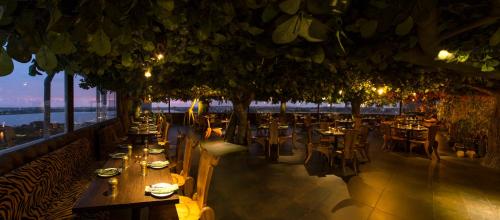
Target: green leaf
[(368, 28), (318, 30), (495, 38), (380, 4), (318, 56), (287, 31), (318, 6), (55, 15), (269, 13), (290, 6), (19, 50), (148, 46), (6, 64), (486, 68), (46, 59), (127, 60), (405, 27), (254, 31), (304, 30), (166, 4), (99, 43), (60, 43)]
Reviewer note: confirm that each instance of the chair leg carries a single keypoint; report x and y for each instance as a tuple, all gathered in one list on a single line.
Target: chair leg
[(426, 146)]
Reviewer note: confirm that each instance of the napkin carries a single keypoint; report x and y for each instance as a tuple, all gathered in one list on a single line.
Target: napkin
[(161, 188)]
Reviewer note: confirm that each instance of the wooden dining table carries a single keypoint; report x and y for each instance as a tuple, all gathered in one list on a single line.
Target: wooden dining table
[(130, 189), (407, 130), (331, 133)]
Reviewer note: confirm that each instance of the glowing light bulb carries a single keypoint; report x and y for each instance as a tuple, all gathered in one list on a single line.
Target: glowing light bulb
[(159, 56), (380, 91), (147, 74), (414, 94), (444, 55), (340, 92)]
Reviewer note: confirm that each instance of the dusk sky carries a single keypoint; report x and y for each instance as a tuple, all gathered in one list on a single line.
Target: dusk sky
[(22, 90)]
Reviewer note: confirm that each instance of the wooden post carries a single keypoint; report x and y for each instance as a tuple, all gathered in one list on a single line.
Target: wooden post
[(70, 105)]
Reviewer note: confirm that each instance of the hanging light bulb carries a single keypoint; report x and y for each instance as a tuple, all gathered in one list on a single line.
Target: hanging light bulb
[(381, 91), (159, 56), (147, 74), (340, 92), (445, 55)]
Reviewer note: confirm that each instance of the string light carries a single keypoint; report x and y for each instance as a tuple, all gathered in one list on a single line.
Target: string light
[(340, 92), (381, 90)]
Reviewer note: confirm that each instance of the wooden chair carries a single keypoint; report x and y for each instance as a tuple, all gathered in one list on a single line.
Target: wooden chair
[(323, 149), (163, 140), (385, 129), (196, 207), (210, 130), (273, 138), (427, 138), (397, 136), (348, 153), (362, 145), (183, 179)]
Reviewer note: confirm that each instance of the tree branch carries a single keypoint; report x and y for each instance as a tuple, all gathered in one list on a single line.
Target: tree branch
[(476, 24), (417, 57), (481, 90)]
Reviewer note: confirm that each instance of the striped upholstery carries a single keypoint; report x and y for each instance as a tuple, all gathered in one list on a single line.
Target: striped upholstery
[(47, 187)]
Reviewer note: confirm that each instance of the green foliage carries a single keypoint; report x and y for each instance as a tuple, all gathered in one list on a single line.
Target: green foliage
[(99, 43), (495, 38), (405, 27), (46, 59), (290, 6), (287, 31), (368, 28), (6, 65)]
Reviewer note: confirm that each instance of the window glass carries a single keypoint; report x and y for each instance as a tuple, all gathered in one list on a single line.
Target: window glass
[(85, 111), (21, 107), (111, 110), (57, 103)]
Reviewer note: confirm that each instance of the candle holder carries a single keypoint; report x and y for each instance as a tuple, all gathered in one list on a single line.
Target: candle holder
[(144, 169), (145, 153), (125, 162), (113, 186)]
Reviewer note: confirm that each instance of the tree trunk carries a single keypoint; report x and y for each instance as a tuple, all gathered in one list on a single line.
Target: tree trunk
[(46, 104), (283, 111), (124, 107), (492, 157), (238, 125), (356, 112)]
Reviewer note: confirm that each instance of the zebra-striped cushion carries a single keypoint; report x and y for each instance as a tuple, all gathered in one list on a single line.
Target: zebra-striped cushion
[(30, 191)]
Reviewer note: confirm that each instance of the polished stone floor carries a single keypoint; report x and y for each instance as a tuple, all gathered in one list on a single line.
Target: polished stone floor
[(394, 185)]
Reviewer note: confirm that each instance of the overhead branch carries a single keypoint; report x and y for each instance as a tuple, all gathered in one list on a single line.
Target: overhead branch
[(476, 24), (417, 57), (481, 90)]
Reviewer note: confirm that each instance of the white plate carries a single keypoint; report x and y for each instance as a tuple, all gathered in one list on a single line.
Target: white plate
[(108, 172), (156, 151), (117, 155), (158, 164), (163, 185)]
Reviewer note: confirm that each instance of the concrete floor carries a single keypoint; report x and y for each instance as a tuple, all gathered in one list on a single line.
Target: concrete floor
[(393, 186)]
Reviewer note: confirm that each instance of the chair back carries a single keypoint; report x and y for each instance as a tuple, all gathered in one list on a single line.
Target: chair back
[(273, 132), (395, 132), (351, 136), (324, 125), (189, 145), (205, 170), (166, 128), (363, 134)]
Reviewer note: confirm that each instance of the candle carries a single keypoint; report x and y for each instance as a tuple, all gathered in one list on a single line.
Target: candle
[(145, 150)]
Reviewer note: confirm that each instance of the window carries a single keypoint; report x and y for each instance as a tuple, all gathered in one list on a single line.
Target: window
[(57, 103), (106, 105), (85, 105), (21, 107)]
